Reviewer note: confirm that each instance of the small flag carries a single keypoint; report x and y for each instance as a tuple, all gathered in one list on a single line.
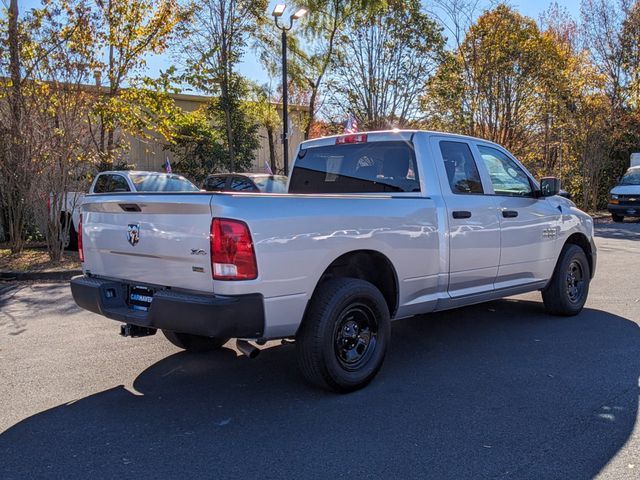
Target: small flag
[(267, 168), (352, 125), (167, 165)]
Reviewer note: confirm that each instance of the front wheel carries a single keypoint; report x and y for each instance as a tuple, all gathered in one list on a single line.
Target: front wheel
[(617, 218), (344, 336), (567, 291), (194, 343)]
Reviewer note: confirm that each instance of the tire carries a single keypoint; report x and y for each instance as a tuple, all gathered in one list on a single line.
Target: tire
[(344, 336), (194, 343), (617, 218), (568, 289)]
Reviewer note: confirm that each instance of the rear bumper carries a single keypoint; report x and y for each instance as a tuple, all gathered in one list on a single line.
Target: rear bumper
[(624, 210), (240, 316)]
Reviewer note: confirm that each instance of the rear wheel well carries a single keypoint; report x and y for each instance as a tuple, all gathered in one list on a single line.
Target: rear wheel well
[(581, 240), (368, 265)]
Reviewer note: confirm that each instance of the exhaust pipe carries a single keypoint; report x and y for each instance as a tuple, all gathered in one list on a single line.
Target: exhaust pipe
[(247, 349)]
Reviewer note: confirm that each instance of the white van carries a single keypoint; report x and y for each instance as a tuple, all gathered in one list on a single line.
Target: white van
[(624, 198)]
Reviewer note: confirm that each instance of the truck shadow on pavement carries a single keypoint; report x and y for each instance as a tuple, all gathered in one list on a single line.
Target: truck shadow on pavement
[(495, 390)]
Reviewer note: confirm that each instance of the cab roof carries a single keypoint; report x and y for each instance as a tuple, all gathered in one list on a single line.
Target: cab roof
[(387, 136)]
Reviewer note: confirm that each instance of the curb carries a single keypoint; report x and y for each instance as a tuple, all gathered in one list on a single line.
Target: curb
[(29, 276)]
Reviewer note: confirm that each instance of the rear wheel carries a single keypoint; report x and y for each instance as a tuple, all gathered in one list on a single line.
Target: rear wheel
[(194, 343), (344, 336), (567, 292), (617, 218)]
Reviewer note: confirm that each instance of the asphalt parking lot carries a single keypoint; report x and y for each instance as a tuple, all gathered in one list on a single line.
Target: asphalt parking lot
[(499, 390)]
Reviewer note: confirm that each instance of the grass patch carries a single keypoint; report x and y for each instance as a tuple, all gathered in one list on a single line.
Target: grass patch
[(36, 260)]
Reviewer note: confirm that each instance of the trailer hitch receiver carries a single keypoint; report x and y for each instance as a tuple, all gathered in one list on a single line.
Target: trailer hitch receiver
[(135, 331)]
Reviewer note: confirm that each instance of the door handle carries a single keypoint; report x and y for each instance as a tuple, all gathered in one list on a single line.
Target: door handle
[(509, 213), (461, 214)]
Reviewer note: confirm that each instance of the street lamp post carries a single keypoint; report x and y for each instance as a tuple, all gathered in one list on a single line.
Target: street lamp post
[(278, 11)]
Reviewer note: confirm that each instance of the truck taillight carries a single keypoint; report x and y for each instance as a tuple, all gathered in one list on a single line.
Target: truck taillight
[(232, 255), (80, 251)]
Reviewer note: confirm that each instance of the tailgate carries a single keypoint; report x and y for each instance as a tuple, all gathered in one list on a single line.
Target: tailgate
[(157, 239)]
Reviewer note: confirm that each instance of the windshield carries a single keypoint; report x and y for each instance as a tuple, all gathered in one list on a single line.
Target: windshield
[(632, 177), (146, 182), (271, 184)]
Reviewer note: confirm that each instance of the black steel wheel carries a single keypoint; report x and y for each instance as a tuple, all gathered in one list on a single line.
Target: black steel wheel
[(568, 289), (356, 336), (575, 282), (343, 338), (617, 218), (194, 343)]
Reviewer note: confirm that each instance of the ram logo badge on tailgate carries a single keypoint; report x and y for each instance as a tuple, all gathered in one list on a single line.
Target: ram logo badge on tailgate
[(133, 234)]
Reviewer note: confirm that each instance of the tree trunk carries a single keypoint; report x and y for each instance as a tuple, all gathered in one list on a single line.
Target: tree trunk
[(229, 127), (310, 114), (225, 92), (17, 202)]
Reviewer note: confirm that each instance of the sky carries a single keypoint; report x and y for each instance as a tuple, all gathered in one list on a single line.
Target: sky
[(251, 68)]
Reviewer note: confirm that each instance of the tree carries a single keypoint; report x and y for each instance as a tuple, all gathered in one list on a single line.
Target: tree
[(388, 56), (220, 31), (630, 41), (197, 147), (263, 110), (492, 85), (610, 33), (315, 46), (129, 30), (61, 149), (15, 171), (18, 132)]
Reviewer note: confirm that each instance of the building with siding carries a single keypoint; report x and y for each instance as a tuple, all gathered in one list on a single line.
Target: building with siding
[(149, 154)]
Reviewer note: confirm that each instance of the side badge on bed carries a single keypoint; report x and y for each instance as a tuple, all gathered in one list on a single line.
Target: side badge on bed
[(133, 234)]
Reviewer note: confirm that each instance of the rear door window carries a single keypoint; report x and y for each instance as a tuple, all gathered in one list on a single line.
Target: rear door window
[(356, 168), (462, 171)]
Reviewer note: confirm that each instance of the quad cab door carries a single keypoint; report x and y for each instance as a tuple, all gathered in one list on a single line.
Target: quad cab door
[(529, 224), (474, 226)]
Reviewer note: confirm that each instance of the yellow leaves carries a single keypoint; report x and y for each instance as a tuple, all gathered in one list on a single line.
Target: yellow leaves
[(135, 28)]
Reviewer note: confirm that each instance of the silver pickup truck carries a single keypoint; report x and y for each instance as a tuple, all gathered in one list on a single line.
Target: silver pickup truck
[(375, 227)]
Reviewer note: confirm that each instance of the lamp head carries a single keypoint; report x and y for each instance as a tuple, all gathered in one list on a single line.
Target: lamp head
[(299, 14), (278, 10)]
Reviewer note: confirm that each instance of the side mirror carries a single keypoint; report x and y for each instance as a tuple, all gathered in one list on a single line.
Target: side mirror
[(549, 186)]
